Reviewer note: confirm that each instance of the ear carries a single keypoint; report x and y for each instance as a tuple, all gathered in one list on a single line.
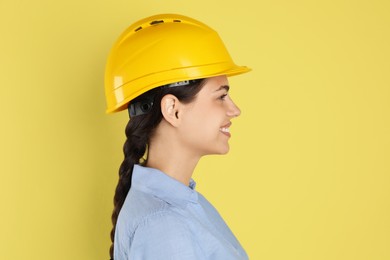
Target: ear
[(170, 106)]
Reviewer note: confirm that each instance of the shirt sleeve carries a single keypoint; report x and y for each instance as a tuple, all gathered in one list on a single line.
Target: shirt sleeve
[(164, 236)]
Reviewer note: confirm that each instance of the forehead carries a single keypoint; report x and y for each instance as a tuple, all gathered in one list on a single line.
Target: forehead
[(214, 83)]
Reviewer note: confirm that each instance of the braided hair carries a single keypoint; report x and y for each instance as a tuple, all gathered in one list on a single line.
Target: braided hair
[(138, 131)]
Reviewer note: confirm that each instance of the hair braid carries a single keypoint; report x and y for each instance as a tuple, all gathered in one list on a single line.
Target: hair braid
[(133, 149)]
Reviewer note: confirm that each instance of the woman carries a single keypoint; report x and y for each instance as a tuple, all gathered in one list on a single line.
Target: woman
[(170, 72)]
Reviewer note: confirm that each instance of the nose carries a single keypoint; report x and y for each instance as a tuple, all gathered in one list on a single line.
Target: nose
[(234, 110)]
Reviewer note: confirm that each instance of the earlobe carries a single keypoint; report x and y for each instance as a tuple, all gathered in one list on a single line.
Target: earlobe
[(170, 109)]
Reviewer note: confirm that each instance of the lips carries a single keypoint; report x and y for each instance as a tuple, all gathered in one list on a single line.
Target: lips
[(225, 129)]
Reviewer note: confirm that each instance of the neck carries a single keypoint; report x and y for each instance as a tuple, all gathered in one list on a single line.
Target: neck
[(171, 158)]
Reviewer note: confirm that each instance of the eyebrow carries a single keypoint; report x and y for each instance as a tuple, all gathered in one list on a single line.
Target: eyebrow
[(225, 87)]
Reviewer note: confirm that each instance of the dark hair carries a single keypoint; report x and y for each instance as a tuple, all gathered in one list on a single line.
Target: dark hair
[(139, 129)]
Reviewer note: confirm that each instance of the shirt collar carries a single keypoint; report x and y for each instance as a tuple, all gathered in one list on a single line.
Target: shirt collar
[(159, 184)]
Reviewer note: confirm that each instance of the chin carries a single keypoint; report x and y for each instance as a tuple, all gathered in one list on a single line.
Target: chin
[(225, 152), (222, 150), (216, 149)]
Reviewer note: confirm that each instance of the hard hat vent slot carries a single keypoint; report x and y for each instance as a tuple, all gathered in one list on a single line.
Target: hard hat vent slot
[(156, 22)]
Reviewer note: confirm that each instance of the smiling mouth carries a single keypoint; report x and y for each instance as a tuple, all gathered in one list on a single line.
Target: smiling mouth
[(225, 129)]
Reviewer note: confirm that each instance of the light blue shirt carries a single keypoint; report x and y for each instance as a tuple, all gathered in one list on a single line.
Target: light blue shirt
[(162, 218)]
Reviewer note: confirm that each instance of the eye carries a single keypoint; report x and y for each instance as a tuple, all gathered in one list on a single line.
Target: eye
[(223, 97)]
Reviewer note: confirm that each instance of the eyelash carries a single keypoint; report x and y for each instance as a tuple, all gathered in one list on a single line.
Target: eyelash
[(223, 96)]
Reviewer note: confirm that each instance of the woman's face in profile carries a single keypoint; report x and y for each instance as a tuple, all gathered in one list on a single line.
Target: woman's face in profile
[(206, 120)]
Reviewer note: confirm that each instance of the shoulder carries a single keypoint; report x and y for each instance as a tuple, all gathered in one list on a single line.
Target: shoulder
[(165, 235), (138, 207), (138, 210), (165, 220)]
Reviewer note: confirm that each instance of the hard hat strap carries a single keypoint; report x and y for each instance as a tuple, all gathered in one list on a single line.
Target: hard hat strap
[(141, 107), (182, 83), (144, 105)]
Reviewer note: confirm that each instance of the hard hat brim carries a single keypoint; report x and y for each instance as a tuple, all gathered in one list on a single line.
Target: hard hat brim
[(122, 98)]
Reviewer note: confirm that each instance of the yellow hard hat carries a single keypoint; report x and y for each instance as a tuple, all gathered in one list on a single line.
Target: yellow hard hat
[(160, 50)]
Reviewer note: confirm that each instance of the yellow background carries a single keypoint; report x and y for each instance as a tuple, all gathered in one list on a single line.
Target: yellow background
[(308, 174)]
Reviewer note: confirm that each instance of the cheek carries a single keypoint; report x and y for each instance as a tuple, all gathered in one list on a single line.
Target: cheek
[(202, 128), (194, 123)]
